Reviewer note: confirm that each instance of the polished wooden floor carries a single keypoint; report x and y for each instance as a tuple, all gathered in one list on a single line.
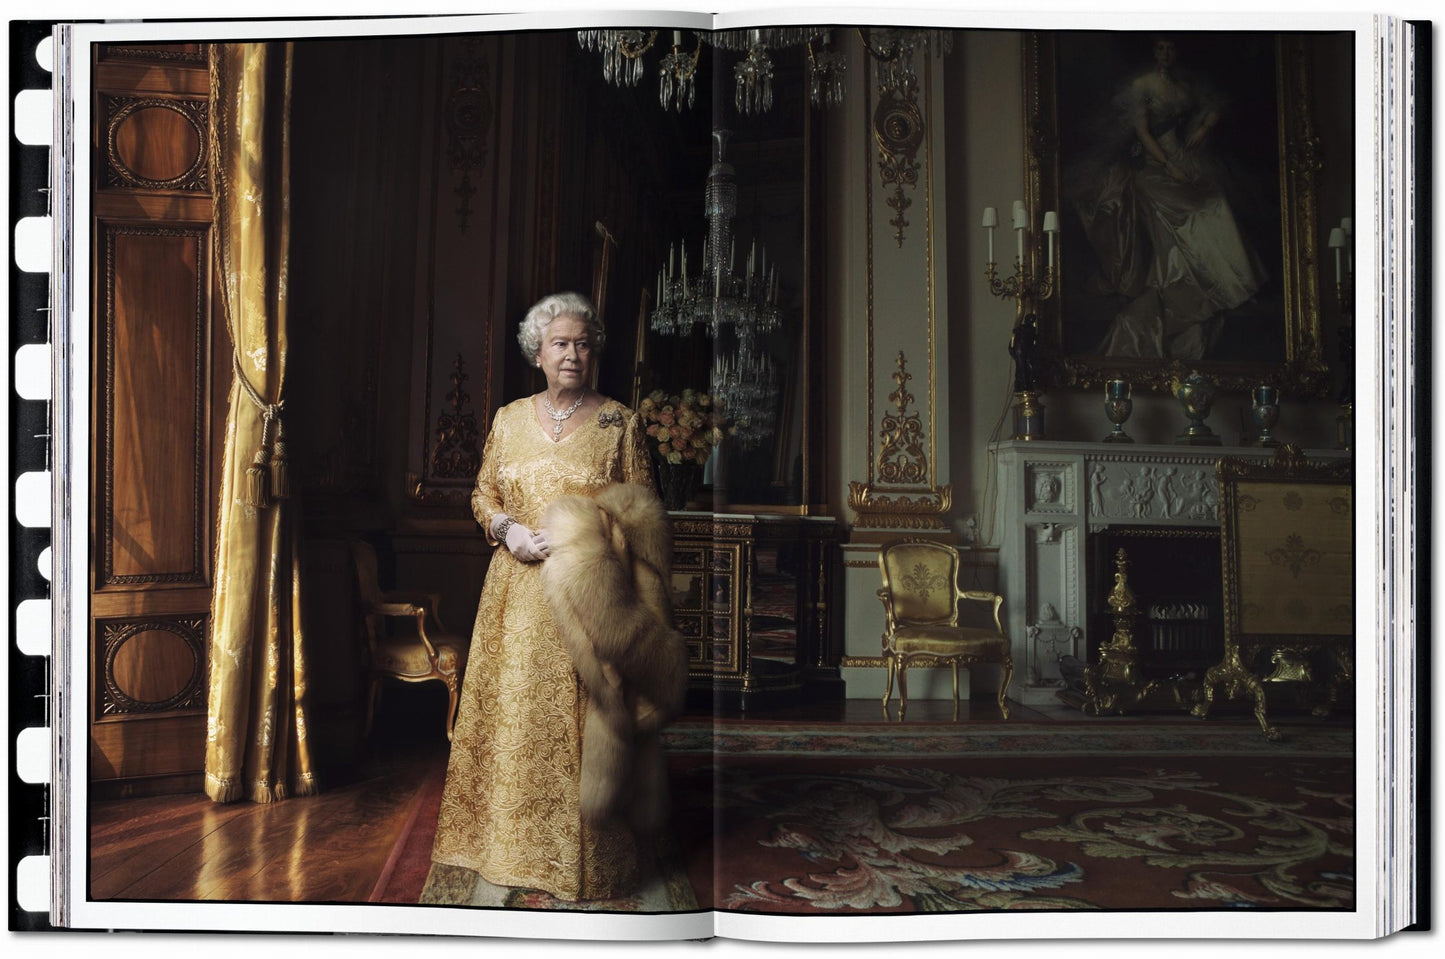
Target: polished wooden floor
[(334, 847)]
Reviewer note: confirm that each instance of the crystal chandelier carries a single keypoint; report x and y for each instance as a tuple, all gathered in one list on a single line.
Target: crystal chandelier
[(741, 306), (623, 52)]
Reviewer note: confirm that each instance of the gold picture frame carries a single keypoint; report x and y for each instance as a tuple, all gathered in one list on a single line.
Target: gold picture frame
[(1272, 338)]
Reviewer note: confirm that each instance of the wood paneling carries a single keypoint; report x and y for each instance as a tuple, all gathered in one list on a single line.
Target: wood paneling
[(159, 395), (155, 357), (156, 143), (139, 747), (150, 665)]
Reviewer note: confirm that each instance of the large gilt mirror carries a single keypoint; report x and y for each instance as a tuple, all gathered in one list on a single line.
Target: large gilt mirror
[(711, 290)]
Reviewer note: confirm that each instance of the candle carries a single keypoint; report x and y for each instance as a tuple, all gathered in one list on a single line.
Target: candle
[(990, 220), (1051, 227), (677, 38), (1021, 222), (1337, 242), (671, 259)]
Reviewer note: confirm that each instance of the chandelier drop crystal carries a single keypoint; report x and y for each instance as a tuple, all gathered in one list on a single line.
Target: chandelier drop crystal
[(731, 305), (827, 75), (754, 90), (675, 75), (894, 49)]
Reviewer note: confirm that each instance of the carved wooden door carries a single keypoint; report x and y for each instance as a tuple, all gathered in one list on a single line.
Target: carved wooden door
[(158, 377)]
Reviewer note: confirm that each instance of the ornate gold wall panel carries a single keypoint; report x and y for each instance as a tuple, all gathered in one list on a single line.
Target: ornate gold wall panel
[(901, 490)]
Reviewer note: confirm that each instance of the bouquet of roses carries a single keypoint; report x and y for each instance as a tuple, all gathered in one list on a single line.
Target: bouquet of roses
[(681, 427)]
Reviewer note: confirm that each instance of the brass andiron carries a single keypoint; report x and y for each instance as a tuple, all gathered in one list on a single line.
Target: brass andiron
[(1115, 684)]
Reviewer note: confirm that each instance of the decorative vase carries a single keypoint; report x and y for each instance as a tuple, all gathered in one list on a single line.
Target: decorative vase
[(1265, 413), (1028, 416), (1118, 404), (676, 483), (1196, 394), (1345, 427)]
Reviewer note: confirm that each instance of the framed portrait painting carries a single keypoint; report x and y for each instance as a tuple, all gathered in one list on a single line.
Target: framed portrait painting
[(1183, 169)]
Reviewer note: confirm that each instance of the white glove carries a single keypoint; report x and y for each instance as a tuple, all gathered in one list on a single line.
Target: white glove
[(526, 545)]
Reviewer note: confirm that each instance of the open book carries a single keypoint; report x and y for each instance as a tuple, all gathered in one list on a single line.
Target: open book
[(292, 439)]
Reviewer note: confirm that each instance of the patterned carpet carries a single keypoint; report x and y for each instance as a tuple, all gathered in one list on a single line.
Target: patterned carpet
[(1179, 737), (840, 835), (668, 891), (1129, 815)]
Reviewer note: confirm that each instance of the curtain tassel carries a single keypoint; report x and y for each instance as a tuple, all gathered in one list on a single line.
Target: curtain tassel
[(259, 480), (257, 476), (280, 474)]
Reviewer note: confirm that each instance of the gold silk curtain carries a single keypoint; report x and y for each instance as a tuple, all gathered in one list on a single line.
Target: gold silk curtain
[(256, 744)]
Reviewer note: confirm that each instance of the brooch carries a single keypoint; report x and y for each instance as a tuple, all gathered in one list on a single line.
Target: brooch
[(613, 418)]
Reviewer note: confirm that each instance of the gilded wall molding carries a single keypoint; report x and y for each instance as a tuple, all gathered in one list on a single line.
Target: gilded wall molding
[(901, 490), (886, 508), (456, 453), (898, 130), (902, 459), (468, 112)]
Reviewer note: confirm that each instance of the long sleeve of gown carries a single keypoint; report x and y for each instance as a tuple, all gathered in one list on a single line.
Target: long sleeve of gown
[(487, 494), (636, 465)]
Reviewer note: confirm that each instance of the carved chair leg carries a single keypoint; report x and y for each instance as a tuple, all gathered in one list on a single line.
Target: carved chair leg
[(888, 689), (902, 688), (1003, 681), (451, 704), (954, 664), (371, 696)]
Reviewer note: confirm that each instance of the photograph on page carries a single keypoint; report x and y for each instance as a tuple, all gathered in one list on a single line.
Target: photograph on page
[(594, 478)]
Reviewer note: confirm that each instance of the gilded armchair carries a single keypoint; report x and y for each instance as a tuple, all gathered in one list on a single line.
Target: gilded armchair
[(1287, 546), (921, 599), (405, 637)]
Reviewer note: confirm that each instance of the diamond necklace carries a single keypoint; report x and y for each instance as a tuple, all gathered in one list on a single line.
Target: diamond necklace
[(559, 416)]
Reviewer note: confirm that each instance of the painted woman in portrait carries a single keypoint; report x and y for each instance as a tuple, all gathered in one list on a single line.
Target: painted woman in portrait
[(1155, 199)]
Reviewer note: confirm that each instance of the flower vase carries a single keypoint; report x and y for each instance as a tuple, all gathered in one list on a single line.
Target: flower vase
[(676, 482)]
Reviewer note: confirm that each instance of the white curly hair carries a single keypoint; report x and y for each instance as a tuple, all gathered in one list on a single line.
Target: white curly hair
[(547, 309)]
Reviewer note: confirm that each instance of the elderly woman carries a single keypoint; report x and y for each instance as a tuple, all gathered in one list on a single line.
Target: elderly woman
[(512, 806)]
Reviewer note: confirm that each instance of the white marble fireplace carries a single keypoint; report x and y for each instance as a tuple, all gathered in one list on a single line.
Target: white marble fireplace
[(1051, 495)]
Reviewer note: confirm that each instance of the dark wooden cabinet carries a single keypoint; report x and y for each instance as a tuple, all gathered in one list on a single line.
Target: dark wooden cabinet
[(752, 596)]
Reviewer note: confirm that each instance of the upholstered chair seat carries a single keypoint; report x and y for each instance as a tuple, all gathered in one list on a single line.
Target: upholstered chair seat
[(950, 641), (405, 637), (921, 599), (404, 656)]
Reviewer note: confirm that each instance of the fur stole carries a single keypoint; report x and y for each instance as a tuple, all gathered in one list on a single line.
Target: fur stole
[(607, 579)]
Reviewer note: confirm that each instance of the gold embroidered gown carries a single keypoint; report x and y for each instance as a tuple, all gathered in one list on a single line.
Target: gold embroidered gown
[(511, 805)]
